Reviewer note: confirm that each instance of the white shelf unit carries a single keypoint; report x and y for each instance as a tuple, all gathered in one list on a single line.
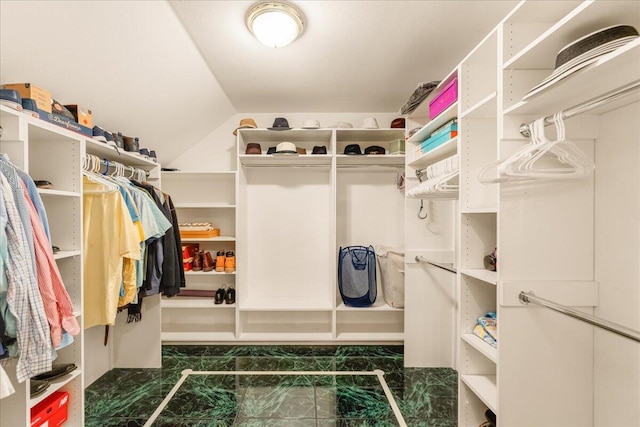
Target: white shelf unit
[(49, 152), (560, 239), (201, 196)]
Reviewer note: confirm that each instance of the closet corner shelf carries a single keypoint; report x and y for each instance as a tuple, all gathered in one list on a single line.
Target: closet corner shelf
[(65, 254), (484, 386), (207, 273), (445, 150), (192, 302), (486, 108), (489, 351), (187, 205), (209, 239), (370, 160), (284, 161), (487, 276), (64, 193), (378, 306), (424, 133), (56, 384), (611, 71)]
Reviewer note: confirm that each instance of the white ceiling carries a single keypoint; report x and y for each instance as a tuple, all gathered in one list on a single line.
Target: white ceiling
[(172, 72), (352, 56)]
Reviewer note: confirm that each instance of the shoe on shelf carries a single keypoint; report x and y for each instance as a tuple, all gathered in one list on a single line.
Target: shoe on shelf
[(220, 260), (57, 370), (38, 387), (208, 264), (197, 261), (220, 295), (42, 183), (229, 262), (231, 296)]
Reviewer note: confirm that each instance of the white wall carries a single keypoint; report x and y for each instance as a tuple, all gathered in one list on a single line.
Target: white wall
[(217, 150)]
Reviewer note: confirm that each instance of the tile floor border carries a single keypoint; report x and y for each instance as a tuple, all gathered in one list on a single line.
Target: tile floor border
[(185, 374)]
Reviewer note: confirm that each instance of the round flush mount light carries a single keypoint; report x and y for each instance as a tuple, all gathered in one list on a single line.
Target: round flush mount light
[(275, 24)]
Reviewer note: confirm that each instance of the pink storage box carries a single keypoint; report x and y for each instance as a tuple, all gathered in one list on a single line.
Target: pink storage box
[(444, 99)]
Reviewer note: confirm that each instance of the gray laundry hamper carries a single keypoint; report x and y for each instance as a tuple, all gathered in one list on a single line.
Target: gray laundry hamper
[(391, 263)]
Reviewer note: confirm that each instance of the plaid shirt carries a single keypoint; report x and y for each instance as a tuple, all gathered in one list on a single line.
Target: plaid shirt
[(23, 296)]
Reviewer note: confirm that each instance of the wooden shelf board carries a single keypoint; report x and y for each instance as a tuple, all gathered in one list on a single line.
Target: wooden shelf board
[(193, 302), (281, 303), (489, 351), (197, 336), (283, 161), (370, 160), (369, 135), (486, 108), (378, 306), (197, 205), (56, 384), (207, 273), (370, 336), (484, 386), (65, 254), (63, 193), (481, 274), (105, 151), (450, 113), (209, 239), (441, 152), (263, 136), (479, 210)]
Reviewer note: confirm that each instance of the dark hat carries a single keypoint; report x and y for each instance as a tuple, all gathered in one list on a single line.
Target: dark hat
[(271, 150), (398, 123), (352, 149), (280, 123), (319, 150), (584, 51), (253, 148), (374, 149)]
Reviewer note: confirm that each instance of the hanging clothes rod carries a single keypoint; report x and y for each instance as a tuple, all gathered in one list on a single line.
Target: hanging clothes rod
[(436, 264), (529, 297), (587, 105)]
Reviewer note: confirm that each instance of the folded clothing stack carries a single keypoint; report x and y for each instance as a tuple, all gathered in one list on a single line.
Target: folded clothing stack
[(487, 328), (198, 230), (419, 94)]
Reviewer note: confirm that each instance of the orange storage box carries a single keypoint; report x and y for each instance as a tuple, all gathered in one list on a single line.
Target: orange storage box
[(51, 412)]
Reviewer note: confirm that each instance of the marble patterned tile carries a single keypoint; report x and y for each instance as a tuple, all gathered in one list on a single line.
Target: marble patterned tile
[(370, 350), (205, 397), (191, 422), (362, 381), (252, 422), (352, 402), (113, 422), (275, 381), (278, 402), (355, 422), (431, 422)]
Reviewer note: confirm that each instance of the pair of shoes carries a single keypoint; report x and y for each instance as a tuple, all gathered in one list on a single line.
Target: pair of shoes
[(225, 295), (43, 184), (57, 370), (197, 261), (225, 262), (220, 259), (131, 144), (207, 262), (38, 387)]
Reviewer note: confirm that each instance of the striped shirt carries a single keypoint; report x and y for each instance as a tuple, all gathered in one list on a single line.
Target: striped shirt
[(57, 304)]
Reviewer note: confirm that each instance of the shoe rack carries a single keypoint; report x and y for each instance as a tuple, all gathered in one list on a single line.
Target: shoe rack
[(565, 240), (203, 197)]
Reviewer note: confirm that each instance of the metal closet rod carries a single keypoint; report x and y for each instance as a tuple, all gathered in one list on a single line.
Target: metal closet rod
[(529, 297), (111, 163), (435, 264), (587, 105)]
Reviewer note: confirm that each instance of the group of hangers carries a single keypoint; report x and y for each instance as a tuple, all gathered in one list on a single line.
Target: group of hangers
[(542, 158), (442, 180), (91, 168)]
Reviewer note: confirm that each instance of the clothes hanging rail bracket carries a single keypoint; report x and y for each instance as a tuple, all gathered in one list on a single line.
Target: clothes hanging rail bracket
[(436, 264), (587, 105), (530, 297)]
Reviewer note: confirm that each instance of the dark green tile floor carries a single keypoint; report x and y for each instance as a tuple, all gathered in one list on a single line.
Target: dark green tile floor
[(129, 397)]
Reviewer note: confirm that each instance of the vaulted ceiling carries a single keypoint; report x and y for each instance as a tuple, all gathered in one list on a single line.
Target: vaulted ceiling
[(171, 72)]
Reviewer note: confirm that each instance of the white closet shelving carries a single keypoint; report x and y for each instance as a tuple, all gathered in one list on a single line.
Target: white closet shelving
[(558, 239), (203, 197)]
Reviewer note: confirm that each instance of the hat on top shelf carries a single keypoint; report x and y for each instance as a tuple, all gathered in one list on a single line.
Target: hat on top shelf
[(311, 124), (583, 52), (280, 123), (370, 123), (398, 123), (352, 149), (374, 149), (286, 148), (247, 123)]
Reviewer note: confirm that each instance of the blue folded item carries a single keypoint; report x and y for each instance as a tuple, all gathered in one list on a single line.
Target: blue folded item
[(487, 328)]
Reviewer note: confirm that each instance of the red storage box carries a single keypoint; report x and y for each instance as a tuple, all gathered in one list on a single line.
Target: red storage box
[(51, 412), (444, 99)]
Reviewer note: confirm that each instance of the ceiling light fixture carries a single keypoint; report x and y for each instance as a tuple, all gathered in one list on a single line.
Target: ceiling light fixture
[(274, 23)]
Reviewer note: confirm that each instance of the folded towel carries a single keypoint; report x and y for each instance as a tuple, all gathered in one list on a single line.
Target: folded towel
[(487, 328)]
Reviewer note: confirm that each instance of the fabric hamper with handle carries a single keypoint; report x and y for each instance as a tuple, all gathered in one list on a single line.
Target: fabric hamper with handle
[(391, 262), (357, 275)]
